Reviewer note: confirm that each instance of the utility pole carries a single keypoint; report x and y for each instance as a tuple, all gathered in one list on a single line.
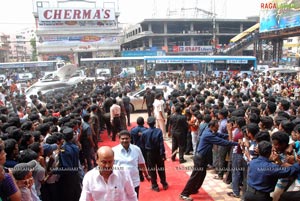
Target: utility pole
[(214, 26)]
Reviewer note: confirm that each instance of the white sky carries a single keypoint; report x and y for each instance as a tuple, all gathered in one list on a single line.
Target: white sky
[(17, 14)]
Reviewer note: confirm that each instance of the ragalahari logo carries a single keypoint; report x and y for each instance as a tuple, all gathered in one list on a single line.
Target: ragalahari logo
[(283, 5)]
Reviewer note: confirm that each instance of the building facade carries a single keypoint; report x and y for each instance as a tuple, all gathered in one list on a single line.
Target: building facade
[(20, 45), (291, 51), (71, 30), (4, 48), (184, 36)]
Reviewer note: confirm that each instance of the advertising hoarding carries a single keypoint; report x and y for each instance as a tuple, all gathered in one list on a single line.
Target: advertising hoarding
[(279, 14)]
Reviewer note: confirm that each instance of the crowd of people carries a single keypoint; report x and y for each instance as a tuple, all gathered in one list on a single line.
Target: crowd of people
[(245, 127)]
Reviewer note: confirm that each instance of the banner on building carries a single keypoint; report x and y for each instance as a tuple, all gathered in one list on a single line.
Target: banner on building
[(80, 40), (76, 24)]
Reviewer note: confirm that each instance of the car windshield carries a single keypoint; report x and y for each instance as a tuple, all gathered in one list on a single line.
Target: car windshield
[(31, 89), (133, 92)]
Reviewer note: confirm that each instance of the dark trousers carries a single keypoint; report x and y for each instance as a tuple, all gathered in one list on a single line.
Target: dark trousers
[(221, 158), (245, 175), (237, 172), (198, 175), (128, 116), (178, 141), (88, 155), (155, 162), (290, 196), (116, 127), (123, 121), (189, 144), (69, 187), (251, 196), (49, 192), (167, 124), (96, 138), (137, 190), (101, 120), (149, 110), (107, 123)]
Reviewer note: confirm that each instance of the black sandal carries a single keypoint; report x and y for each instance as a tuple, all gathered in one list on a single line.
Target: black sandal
[(231, 194)]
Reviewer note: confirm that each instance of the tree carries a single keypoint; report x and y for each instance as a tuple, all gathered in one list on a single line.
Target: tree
[(34, 51)]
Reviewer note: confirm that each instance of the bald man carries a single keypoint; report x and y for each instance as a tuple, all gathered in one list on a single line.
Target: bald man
[(106, 182)]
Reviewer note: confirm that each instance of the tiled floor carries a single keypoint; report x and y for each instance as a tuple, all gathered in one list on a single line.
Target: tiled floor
[(217, 189)]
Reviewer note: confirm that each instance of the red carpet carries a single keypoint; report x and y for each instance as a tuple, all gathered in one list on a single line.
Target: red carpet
[(176, 178)]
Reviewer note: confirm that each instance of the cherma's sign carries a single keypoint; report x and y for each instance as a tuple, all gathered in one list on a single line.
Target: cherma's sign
[(76, 14)]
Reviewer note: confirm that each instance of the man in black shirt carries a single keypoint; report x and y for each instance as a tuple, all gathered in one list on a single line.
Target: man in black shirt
[(126, 102), (153, 144), (149, 99), (108, 102), (178, 129)]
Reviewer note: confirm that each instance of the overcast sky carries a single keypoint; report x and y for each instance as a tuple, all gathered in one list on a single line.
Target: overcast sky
[(17, 14)]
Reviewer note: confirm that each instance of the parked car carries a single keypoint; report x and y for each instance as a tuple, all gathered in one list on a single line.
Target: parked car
[(137, 97), (45, 87)]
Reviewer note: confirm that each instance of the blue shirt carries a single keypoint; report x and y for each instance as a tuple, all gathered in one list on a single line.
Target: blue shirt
[(86, 127), (136, 135), (263, 174), (10, 163), (69, 158), (202, 127), (208, 139), (152, 140)]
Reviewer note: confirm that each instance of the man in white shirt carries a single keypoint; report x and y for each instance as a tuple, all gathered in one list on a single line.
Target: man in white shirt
[(246, 78), (159, 113), (130, 157), (105, 182), (8, 81), (2, 95), (115, 113)]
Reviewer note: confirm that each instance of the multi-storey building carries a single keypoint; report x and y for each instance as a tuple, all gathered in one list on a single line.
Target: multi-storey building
[(20, 45), (4, 47), (71, 30), (184, 36), (291, 51)]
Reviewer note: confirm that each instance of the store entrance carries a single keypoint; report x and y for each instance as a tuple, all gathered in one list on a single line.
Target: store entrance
[(84, 55)]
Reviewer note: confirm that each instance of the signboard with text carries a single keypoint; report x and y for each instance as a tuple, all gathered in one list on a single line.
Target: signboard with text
[(240, 61), (142, 53), (77, 24), (95, 39), (279, 14), (76, 14), (192, 48), (182, 61)]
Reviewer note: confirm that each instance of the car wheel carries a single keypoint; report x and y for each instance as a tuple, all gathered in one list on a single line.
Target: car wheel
[(131, 108)]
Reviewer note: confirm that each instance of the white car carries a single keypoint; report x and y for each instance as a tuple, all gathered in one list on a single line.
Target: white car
[(62, 78), (45, 87), (137, 97)]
